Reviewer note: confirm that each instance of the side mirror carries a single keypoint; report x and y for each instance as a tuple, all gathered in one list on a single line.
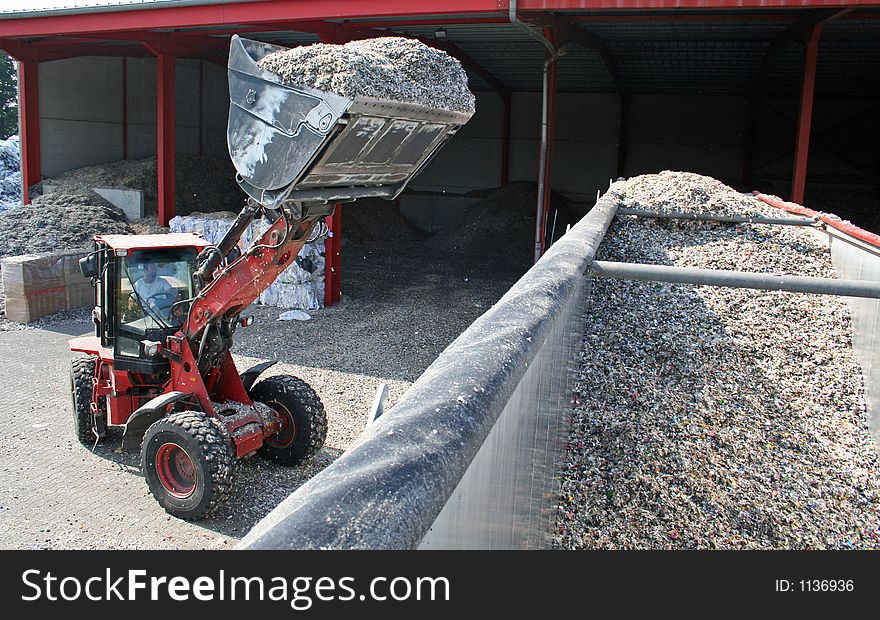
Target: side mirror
[(88, 266)]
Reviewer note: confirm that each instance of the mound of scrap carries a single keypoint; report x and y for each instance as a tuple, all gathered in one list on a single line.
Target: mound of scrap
[(711, 417), (202, 183), (10, 173), (499, 230), (57, 221), (392, 68)]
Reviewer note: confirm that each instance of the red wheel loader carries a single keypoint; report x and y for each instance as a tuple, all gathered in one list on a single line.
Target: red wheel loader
[(167, 306)]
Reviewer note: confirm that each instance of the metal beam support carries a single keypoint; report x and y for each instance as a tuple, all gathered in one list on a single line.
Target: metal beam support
[(29, 124), (818, 138), (572, 33), (675, 5), (736, 279), (165, 137), (329, 252), (332, 258), (805, 117), (337, 254)]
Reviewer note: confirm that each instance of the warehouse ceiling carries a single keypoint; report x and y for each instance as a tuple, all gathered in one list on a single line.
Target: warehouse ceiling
[(720, 52)]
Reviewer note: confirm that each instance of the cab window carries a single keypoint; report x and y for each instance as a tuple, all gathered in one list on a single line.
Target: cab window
[(151, 283)]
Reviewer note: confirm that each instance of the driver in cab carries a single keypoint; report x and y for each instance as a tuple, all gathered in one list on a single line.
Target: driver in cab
[(154, 291)]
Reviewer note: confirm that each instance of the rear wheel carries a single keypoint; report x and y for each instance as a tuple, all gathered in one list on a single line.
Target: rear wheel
[(301, 417), (188, 464), (82, 371)]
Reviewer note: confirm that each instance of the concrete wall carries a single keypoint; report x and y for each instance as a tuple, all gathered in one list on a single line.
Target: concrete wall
[(81, 124), (81, 113)]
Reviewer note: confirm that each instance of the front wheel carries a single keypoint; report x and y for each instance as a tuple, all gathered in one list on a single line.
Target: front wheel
[(188, 464), (82, 371), (301, 418)]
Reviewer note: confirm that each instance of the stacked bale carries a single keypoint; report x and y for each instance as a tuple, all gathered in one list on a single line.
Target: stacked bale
[(300, 286)]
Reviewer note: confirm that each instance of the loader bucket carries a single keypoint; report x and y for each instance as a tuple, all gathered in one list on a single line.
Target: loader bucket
[(310, 146)]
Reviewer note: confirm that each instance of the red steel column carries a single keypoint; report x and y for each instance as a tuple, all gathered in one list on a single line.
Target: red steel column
[(165, 142), (337, 254), (328, 263), (332, 246), (29, 120), (805, 118)]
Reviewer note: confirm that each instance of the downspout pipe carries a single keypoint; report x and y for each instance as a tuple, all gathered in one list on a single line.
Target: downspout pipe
[(542, 172), (553, 53)]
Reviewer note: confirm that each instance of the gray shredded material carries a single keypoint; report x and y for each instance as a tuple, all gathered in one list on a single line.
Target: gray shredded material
[(392, 68), (57, 221), (709, 417)]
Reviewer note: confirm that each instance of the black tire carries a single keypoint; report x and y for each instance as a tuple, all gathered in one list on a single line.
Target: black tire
[(82, 371), (304, 421), (189, 464)]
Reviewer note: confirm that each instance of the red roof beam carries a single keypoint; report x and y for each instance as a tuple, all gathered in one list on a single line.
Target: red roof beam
[(235, 14), (659, 5), (706, 17), (431, 21)]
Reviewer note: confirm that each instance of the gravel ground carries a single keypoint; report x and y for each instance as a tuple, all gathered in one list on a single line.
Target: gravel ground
[(402, 304), (385, 68), (716, 418)]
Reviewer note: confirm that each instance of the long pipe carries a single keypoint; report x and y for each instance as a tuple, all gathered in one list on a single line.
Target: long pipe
[(736, 279), (714, 217), (542, 172)]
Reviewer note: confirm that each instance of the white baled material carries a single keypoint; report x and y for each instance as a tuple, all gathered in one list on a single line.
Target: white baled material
[(300, 286)]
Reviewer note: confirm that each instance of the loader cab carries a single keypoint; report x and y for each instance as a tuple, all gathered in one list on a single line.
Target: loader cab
[(143, 288)]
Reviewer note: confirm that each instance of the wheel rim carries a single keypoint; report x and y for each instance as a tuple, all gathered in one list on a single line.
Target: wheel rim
[(286, 427), (175, 470)]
